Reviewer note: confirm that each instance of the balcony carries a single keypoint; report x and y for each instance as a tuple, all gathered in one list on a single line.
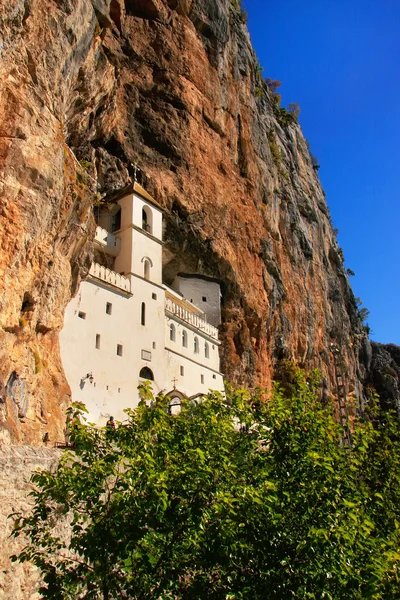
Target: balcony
[(109, 242), (191, 318), (110, 277)]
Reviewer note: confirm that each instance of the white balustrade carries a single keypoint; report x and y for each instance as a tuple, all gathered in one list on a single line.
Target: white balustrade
[(111, 243), (190, 318), (111, 277)]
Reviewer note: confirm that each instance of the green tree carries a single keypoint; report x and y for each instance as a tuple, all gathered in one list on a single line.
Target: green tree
[(245, 497), (294, 110)]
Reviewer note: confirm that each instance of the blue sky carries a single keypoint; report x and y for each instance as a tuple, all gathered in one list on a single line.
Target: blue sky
[(339, 59)]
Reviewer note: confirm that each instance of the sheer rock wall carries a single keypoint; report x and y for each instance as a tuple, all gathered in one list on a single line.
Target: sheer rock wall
[(17, 463), (90, 88)]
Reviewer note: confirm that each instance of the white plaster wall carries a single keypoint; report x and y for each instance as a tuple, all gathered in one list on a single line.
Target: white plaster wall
[(194, 364), (123, 262), (144, 246), (212, 362), (194, 289), (120, 374), (138, 204), (136, 245), (190, 382)]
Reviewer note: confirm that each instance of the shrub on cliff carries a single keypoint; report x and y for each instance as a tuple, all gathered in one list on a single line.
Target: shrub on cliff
[(236, 498)]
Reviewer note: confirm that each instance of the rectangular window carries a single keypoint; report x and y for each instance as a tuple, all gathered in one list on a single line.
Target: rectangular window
[(154, 345), (204, 298), (108, 308), (143, 314), (81, 315), (119, 349), (97, 341), (202, 378), (182, 370), (214, 377), (154, 296)]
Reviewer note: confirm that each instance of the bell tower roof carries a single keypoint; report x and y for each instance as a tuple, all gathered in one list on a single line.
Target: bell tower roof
[(134, 187)]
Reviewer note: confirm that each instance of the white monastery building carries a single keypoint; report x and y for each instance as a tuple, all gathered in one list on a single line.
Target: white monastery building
[(125, 326)]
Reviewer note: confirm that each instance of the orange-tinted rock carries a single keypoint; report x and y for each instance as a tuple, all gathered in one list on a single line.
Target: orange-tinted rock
[(172, 86)]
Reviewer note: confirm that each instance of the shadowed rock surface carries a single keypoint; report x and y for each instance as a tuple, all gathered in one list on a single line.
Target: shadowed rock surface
[(384, 374), (90, 88)]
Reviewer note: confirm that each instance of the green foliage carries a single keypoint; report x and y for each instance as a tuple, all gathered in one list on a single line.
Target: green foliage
[(314, 162), (350, 272), (38, 362), (259, 71), (239, 7), (272, 85), (85, 164), (294, 110), (277, 155), (248, 497), (363, 311), (284, 117)]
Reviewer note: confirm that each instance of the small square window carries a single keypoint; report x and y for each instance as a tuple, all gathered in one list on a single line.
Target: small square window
[(214, 377), (182, 370), (202, 378), (97, 341), (81, 315), (119, 349), (204, 298), (108, 308), (154, 296)]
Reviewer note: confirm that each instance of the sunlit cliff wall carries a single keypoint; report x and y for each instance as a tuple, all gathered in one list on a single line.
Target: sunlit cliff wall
[(91, 88)]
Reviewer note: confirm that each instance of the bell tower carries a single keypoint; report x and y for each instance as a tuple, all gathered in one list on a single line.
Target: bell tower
[(140, 231)]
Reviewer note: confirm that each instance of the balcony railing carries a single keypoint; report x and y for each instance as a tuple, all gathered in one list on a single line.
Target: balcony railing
[(191, 318), (110, 277), (110, 243)]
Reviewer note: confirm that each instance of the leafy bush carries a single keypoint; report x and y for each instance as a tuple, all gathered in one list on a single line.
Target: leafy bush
[(294, 110), (248, 497), (314, 162), (239, 7)]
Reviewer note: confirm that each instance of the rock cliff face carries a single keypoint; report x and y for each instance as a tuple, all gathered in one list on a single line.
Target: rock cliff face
[(90, 88), (384, 374)]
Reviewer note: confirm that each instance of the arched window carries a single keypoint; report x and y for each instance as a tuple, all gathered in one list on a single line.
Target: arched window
[(146, 269), (172, 332), (143, 314), (146, 373), (116, 221), (206, 350), (147, 219), (184, 338), (196, 345)]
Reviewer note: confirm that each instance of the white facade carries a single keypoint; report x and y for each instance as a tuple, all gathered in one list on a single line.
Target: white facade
[(204, 292), (124, 322)]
